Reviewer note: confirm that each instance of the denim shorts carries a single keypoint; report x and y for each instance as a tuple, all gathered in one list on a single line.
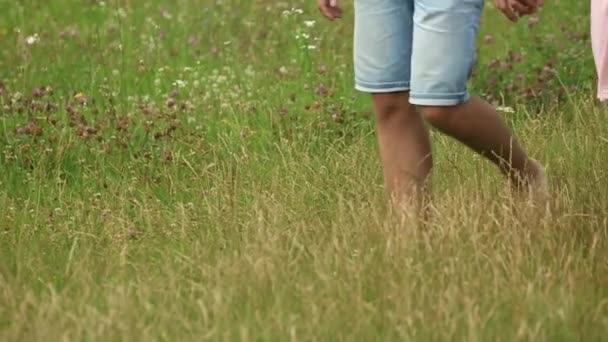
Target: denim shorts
[(426, 47)]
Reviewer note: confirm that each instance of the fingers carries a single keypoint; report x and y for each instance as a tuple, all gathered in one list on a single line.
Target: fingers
[(521, 9), (535, 3), (505, 7), (531, 4), (513, 9), (330, 9)]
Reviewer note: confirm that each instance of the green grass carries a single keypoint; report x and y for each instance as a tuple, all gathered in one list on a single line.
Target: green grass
[(249, 204)]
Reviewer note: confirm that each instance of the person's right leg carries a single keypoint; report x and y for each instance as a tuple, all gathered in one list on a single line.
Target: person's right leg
[(599, 40), (405, 147), (382, 53)]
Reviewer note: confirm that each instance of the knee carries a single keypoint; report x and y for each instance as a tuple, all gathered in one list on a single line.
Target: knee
[(437, 115), (393, 107)]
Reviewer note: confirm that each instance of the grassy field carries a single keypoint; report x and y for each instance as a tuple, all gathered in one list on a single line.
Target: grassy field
[(191, 170)]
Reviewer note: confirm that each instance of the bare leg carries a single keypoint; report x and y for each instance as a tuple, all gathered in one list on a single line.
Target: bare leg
[(477, 124), (405, 148)]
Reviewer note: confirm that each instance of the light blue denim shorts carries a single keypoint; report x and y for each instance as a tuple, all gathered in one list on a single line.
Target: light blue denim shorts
[(426, 47)]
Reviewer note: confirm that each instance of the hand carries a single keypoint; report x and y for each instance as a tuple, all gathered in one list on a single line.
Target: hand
[(513, 9), (330, 8)]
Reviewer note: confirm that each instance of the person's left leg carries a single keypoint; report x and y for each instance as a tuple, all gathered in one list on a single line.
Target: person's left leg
[(443, 54), (476, 124)]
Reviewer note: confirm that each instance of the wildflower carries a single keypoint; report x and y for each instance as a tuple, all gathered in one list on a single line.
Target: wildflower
[(321, 90), (32, 128), (33, 39), (81, 98), (293, 11), (168, 156), (121, 13), (38, 92), (309, 23), (179, 83), (249, 71), (165, 14), (488, 38), (533, 21), (505, 109), (311, 47)]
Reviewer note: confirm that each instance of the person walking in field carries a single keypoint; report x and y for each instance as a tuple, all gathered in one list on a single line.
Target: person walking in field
[(415, 57), (599, 42)]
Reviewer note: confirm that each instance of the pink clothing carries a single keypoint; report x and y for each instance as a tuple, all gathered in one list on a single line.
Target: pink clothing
[(599, 42)]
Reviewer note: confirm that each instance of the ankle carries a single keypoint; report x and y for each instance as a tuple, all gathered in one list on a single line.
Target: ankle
[(531, 171)]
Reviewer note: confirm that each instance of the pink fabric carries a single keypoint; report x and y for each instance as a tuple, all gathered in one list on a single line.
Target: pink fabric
[(599, 41)]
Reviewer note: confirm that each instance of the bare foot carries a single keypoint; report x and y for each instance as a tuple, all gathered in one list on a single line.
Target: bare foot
[(534, 189)]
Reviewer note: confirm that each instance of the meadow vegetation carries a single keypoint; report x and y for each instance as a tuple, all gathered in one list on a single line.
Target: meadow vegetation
[(192, 170)]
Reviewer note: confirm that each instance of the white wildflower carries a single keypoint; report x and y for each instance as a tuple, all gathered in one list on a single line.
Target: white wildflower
[(33, 39), (249, 71), (505, 109), (179, 83), (293, 11), (309, 23), (121, 13)]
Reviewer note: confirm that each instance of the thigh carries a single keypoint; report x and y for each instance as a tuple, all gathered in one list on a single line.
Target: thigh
[(383, 44), (444, 41)]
